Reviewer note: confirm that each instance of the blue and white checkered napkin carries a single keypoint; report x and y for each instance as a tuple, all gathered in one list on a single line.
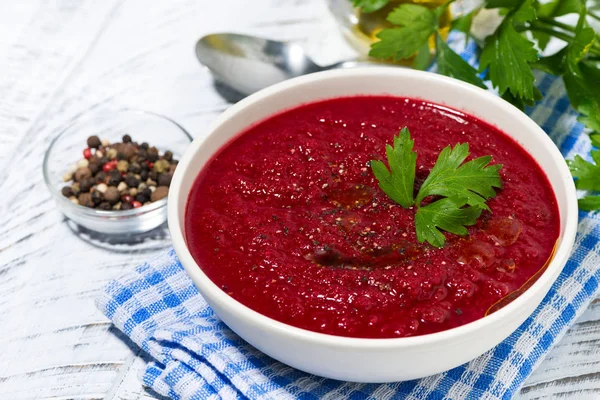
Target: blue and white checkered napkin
[(198, 357)]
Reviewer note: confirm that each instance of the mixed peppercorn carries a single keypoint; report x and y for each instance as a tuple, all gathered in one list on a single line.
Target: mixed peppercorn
[(119, 176)]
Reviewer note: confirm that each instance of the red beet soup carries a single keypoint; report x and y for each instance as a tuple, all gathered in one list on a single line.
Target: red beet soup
[(289, 219)]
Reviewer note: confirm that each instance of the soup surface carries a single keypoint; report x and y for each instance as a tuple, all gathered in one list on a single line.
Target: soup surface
[(289, 219)]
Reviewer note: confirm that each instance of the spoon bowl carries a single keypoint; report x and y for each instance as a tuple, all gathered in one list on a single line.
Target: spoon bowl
[(248, 64)]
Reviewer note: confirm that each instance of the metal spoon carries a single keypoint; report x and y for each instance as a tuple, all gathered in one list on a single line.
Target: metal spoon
[(248, 63)]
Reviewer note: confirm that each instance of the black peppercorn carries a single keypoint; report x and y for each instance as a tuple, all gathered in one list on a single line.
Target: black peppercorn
[(114, 178), (134, 168), (152, 154), (94, 142), (126, 206), (86, 184), (100, 176), (112, 195), (131, 180), (97, 197), (141, 198), (67, 191), (142, 155), (85, 199), (164, 179), (81, 174), (105, 205), (120, 176), (94, 168)]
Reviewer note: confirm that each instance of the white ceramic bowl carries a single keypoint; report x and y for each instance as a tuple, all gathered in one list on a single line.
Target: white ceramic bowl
[(374, 360)]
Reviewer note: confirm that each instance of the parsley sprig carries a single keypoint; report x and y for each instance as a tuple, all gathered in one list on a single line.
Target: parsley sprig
[(587, 177), (459, 189), (510, 55)]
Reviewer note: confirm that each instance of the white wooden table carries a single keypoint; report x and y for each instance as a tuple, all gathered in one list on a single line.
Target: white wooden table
[(59, 58)]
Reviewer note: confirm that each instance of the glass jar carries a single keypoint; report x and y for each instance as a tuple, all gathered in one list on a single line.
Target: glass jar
[(65, 150), (361, 29)]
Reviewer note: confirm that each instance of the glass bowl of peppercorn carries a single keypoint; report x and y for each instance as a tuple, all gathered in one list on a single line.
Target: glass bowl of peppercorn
[(110, 171)]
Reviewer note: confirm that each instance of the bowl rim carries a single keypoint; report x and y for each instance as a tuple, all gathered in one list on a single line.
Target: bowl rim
[(214, 293), (92, 212)]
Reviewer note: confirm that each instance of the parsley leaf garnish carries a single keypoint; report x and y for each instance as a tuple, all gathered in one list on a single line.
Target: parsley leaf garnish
[(451, 64), (589, 203), (502, 3), (399, 183), (423, 58), (370, 6), (557, 8), (587, 174), (463, 23), (507, 54), (582, 77), (448, 214), (587, 177), (473, 181), (415, 25), (463, 186)]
